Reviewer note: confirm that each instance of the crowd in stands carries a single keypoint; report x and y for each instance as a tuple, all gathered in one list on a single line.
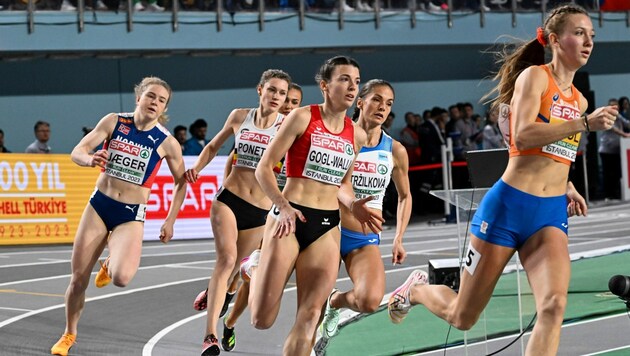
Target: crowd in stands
[(435, 6)]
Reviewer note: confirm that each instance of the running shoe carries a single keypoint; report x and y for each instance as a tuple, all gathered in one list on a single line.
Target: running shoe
[(210, 346), (228, 341), (248, 263), (201, 302), (102, 277), (399, 304), (63, 345), (320, 346), (330, 325), (226, 303)]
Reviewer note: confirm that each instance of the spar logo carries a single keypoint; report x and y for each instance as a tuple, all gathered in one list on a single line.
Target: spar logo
[(333, 144), (251, 136), (129, 149), (564, 111), (367, 167), (197, 201), (382, 169)]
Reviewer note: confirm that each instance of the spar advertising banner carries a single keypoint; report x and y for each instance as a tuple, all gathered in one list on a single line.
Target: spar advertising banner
[(42, 198)]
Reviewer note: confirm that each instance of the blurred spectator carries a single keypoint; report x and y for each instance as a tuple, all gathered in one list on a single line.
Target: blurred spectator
[(179, 132), (469, 129), (389, 121), (198, 141), (409, 138), (624, 107), (492, 137), (452, 130), (42, 135), (432, 136), (610, 154), (2, 148)]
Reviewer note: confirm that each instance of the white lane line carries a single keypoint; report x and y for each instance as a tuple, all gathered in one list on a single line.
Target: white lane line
[(16, 309), (106, 296), (609, 350), (37, 280), (56, 261), (160, 246)]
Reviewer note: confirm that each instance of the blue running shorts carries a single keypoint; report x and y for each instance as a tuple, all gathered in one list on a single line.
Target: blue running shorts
[(352, 240), (113, 212), (508, 216)]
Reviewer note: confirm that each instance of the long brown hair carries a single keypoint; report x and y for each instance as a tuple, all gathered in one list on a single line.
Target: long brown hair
[(514, 58)]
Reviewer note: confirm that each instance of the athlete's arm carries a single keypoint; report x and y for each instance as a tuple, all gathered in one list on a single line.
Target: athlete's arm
[(292, 127), (400, 176), (233, 122), (173, 157), (528, 89), (366, 216), (576, 203), (81, 152), (228, 165)]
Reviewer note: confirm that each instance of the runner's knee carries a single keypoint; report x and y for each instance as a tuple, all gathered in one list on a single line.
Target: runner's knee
[(368, 303), (552, 307)]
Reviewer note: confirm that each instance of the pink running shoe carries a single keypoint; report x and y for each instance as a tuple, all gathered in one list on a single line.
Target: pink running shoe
[(201, 302), (399, 304), (248, 263), (210, 346)]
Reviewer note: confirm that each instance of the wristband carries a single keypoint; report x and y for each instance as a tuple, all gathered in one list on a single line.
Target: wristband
[(588, 129)]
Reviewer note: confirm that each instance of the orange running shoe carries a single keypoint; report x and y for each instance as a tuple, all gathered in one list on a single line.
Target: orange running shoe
[(102, 277), (63, 345)]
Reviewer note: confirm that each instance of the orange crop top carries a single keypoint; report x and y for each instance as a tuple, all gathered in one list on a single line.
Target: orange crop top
[(554, 109)]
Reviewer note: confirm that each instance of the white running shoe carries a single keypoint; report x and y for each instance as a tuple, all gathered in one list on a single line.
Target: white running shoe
[(330, 324), (138, 7), (248, 263), (399, 304)]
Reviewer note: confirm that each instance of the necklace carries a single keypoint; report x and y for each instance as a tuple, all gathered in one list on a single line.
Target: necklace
[(561, 83)]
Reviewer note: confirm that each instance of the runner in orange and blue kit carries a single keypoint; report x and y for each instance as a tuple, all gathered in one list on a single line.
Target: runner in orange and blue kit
[(136, 144), (546, 120)]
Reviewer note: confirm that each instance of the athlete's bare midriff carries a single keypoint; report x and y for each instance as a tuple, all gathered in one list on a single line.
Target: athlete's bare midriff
[(311, 193), (537, 175), (242, 182), (122, 191)]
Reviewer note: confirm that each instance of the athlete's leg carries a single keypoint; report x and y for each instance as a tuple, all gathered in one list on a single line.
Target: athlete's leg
[(367, 272), (277, 260), (225, 236), (316, 271), (545, 257), (240, 304), (125, 250), (89, 242), (462, 309)]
